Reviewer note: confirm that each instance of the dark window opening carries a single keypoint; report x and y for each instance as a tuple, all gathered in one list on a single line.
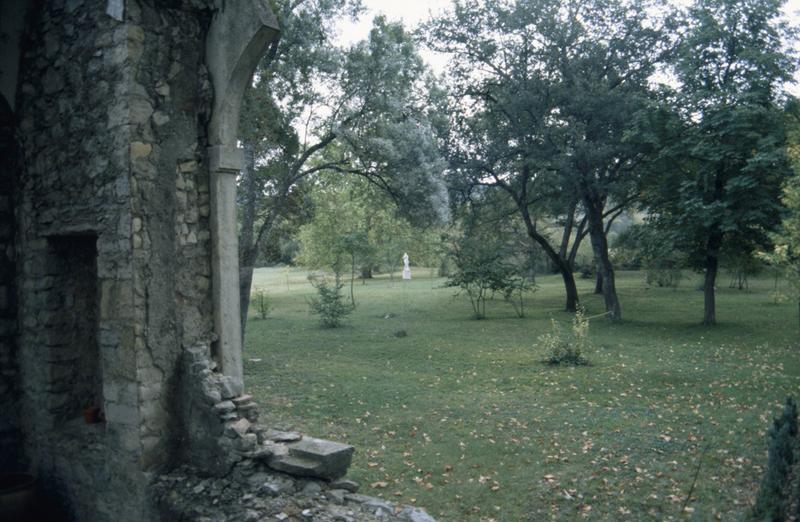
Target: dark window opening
[(75, 377)]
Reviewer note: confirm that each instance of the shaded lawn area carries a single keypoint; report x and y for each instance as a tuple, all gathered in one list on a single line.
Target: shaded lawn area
[(461, 417)]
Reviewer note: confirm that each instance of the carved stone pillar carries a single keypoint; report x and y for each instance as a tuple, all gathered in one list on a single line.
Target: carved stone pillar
[(224, 165), (239, 35)]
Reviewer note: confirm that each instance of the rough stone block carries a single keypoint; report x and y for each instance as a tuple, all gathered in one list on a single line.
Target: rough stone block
[(228, 387), (412, 514), (224, 407), (347, 485), (237, 429), (248, 443), (311, 457)]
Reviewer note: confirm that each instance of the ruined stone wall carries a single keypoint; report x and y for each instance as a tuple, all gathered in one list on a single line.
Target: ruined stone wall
[(74, 220), (114, 264), (171, 238)]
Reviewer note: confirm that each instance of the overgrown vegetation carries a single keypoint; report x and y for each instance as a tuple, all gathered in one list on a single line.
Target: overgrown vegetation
[(566, 349)]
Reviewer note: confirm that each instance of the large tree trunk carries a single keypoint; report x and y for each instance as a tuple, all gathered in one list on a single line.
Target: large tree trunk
[(248, 249), (709, 285), (597, 235), (709, 297), (560, 263), (598, 280)]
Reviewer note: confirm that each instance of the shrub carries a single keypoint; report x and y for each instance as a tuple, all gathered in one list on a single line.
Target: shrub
[(329, 304), (771, 503), (262, 303), (567, 349)]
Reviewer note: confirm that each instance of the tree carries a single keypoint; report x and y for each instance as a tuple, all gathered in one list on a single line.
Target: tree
[(356, 224), (484, 265), (726, 139), (546, 96), (315, 108), (785, 254)]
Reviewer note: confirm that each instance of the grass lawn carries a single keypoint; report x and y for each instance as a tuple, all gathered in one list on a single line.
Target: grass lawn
[(460, 416)]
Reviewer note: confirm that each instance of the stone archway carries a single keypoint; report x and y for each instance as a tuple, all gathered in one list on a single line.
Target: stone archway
[(236, 42)]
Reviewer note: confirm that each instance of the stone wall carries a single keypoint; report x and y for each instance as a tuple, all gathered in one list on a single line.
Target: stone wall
[(114, 264), (170, 102), (75, 188)]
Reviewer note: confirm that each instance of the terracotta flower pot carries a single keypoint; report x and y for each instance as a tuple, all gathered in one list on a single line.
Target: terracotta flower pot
[(92, 415)]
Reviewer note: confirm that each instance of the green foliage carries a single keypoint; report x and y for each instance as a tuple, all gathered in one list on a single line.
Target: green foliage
[(567, 349), (771, 502), (785, 254), (329, 304), (554, 91), (644, 246), (262, 302), (316, 107), (723, 139), (482, 267), (354, 222)]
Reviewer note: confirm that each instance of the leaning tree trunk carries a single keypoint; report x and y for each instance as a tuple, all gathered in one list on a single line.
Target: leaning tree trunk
[(561, 264), (597, 236)]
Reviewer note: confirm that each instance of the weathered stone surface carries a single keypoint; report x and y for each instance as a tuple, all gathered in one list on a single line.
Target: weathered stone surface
[(224, 407), (250, 492), (412, 514), (282, 436), (347, 485), (337, 496), (238, 428), (228, 387), (311, 457)]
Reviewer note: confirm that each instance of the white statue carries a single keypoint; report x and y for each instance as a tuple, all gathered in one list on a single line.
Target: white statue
[(406, 269)]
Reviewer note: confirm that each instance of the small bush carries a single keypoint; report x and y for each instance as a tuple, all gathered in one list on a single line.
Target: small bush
[(329, 304), (261, 303), (668, 277), (567, 349)]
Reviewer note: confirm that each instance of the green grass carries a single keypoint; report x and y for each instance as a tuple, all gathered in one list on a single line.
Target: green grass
[(461, 416)]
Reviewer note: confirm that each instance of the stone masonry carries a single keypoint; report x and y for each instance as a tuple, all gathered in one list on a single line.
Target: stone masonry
[(121, 383)]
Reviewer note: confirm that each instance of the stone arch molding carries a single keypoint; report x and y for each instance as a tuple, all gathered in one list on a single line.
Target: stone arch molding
[(238, 37)]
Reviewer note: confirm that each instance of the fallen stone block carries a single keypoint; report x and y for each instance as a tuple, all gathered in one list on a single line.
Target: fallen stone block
[(319, 458)]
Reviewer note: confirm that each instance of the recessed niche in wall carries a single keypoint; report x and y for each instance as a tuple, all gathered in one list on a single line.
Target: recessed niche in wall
[(75, 380)]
